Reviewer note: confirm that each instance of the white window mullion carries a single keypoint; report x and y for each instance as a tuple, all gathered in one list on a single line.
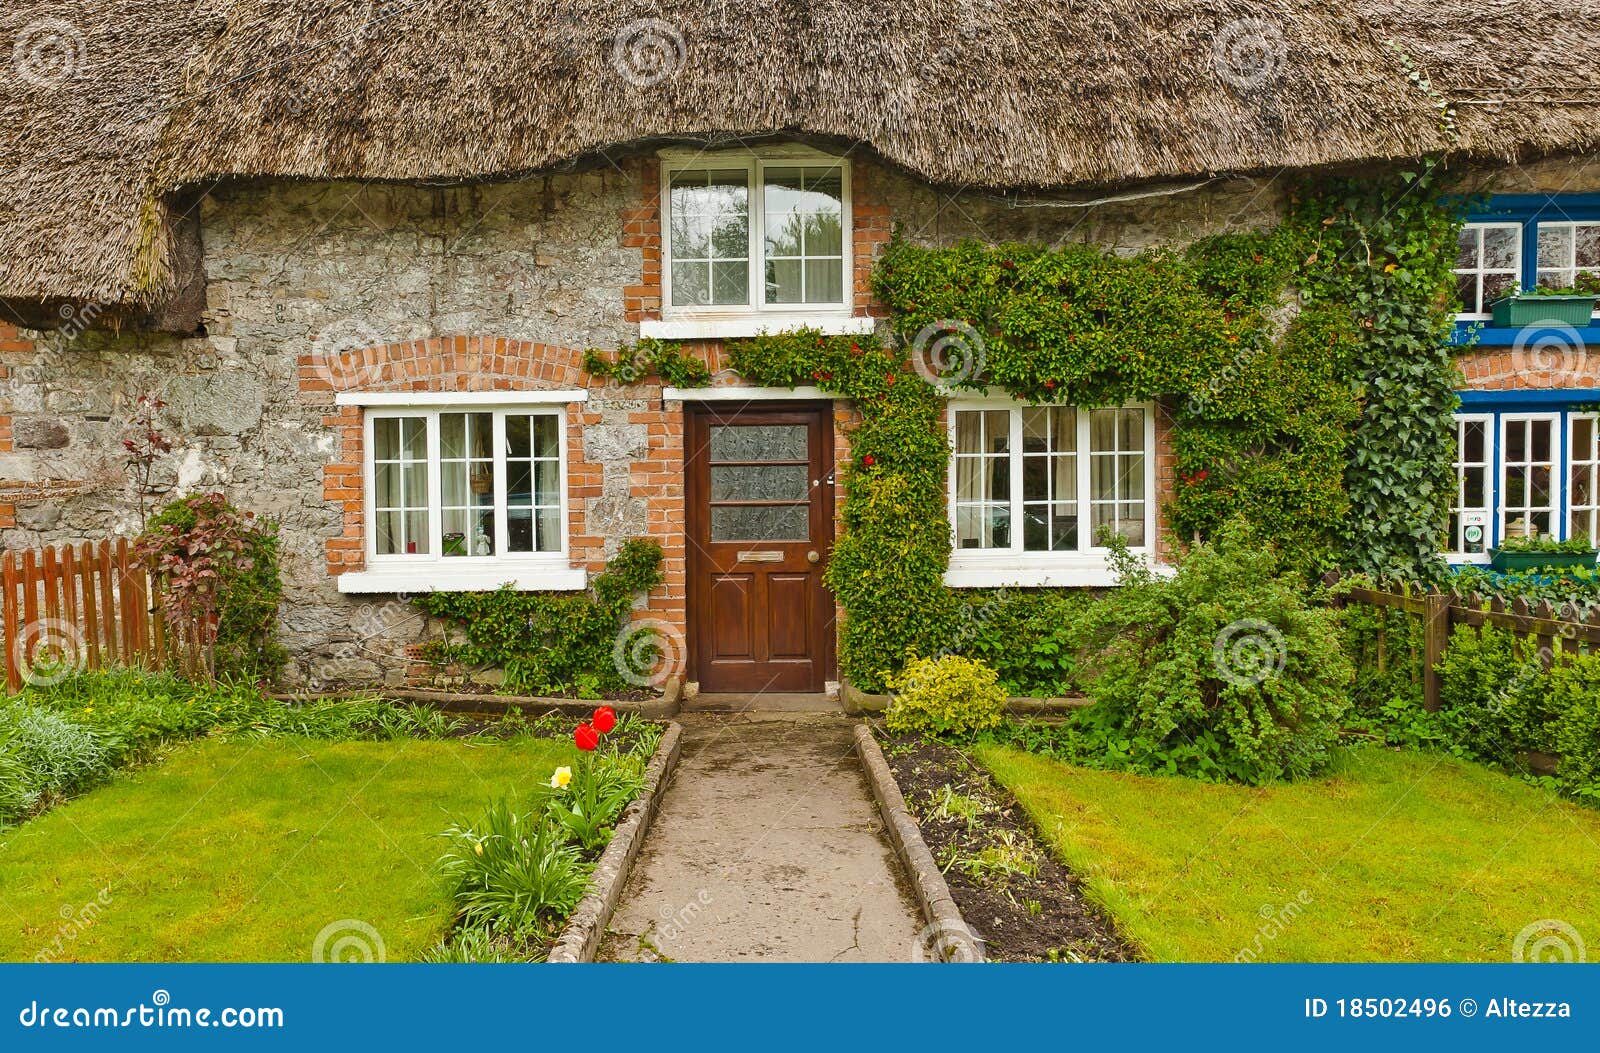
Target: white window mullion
[(435, 488), (1085, 515), (757, 207), (561, 475), (1014, 449), (497, 433)]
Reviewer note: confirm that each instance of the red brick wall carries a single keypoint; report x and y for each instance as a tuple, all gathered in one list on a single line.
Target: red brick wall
[(1542, 367)]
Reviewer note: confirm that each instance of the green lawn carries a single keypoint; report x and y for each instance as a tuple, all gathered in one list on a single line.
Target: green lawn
[(246, 850), (1393, 857)]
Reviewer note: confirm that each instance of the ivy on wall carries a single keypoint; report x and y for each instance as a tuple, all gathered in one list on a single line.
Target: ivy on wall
[(1304, 369)]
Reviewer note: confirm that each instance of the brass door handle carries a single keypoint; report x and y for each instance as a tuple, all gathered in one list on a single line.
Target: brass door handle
[(813, 556)]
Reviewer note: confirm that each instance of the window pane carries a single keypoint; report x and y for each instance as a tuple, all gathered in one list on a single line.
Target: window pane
[(386, 485), (548, 538), (997, 431), (969, 432), (388, 541), (983, 526), (1130, 477), (760, 442), (1586, 245), (1555, 245), (1473, 439), (416, 527), (760, 522), (783, 281), (453, 483), (691, 284), (452, 435), (548, 492), (1467, 247), (824, 281), (415, 432), (386, 438), (770, 482), (1501, 247), (547, 435), (416, 490), (730, 283), (518, 427)]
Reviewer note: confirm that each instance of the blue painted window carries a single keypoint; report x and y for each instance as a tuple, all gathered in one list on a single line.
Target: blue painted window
[(1527, 463), (1519, 241)]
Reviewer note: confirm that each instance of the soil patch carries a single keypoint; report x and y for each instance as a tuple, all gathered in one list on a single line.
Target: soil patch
[(1016, 896)]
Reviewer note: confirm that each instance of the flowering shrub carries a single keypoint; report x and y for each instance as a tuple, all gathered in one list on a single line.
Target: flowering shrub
[(952, 695), (221, 591)]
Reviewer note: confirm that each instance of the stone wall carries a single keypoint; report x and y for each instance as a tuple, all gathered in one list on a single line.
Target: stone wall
[(545, 267)]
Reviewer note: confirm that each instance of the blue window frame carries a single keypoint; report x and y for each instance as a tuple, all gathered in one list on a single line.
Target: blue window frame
[(1517, 240), (1526, 463)]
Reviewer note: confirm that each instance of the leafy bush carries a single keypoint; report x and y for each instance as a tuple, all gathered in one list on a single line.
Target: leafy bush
[(1222, 671), (221, 567), (952, 695), (1026, 635), (514, 872), (591, 804), (549, 643), (54, 755)]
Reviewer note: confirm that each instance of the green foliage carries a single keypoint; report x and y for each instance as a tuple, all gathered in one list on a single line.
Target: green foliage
[(187, 536), (1578, 586), (1382, 252), (648, 358), (950, 696), (514, 872), (548, 643), (1546, 543), (1221, 672), (1025, 635), (43, 756), (590, 805)]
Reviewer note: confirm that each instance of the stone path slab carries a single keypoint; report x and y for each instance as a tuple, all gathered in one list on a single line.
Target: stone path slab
[(768, 847)]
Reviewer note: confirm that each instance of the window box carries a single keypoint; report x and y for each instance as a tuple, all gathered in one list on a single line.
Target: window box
[(1518, 560), (1518, 311)]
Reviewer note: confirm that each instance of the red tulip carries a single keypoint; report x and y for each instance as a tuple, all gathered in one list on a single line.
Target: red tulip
[(585, 737), (605, 718)]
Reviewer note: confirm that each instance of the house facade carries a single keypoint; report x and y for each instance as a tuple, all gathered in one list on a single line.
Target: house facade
[(384, 354)]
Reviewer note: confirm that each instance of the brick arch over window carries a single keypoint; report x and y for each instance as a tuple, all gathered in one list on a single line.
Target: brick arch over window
[(440, 364)]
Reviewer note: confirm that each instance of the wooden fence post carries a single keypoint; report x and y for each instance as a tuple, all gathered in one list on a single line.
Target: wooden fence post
[(1435, 638)]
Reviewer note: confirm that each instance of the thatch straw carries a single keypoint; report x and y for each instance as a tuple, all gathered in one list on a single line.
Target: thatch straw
[(1010, 94)]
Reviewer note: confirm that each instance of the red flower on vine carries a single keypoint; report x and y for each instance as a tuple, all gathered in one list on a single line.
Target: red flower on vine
[(1050, 384), (869, 460)]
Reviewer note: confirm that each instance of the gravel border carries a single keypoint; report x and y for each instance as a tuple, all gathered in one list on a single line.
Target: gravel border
[(947, 932), (580, 940)]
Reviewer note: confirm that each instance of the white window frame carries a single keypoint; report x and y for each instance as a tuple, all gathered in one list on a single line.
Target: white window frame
[(1573, 461), (1014, 565), (1491, 440), (1479, 271), (733, 320), (1558, 481), (422, 572), (1571, 268)]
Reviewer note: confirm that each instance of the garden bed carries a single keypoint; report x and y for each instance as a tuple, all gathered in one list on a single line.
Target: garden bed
[(1016, 897)]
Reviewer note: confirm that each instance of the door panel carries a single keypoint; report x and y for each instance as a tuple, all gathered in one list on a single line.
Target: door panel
[(759, 532)]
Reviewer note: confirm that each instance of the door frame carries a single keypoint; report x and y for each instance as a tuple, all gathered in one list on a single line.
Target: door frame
[(696, 505)]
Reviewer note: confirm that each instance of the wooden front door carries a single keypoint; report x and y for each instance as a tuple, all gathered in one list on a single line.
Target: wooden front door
[(760, 530)]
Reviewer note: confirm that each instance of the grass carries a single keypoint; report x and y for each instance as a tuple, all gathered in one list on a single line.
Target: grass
[(245, 850), (1391, 857)]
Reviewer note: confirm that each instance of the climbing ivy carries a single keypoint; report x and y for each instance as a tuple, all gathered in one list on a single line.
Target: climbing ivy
[(1304, 372), (648, 358)]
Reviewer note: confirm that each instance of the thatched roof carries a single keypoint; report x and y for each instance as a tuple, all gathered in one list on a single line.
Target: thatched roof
[(170, 94)]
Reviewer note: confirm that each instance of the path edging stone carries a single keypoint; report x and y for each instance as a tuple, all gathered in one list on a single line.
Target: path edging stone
[(580, 940), (947, 930), (667, 706)]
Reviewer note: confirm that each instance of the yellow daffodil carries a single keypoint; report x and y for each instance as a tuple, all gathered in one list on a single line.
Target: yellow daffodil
[(479, 847), (561, 778)]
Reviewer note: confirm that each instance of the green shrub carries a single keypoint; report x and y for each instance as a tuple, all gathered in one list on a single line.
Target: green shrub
[(514, 872), (1573, 700), (951, 695), (552, 643), (248, 588), (55, 755), (1026, 635), (590, 805), (1221, 671)]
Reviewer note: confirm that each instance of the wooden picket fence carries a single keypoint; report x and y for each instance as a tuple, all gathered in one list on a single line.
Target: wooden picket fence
[(1557, 631), (88, 606)]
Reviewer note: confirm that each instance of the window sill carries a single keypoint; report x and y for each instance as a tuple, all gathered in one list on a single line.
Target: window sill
[(1033, 571), (726, 328), (1490, 335), (433, 577)]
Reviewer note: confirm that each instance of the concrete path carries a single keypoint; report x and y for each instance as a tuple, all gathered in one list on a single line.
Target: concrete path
[(767, 847)]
